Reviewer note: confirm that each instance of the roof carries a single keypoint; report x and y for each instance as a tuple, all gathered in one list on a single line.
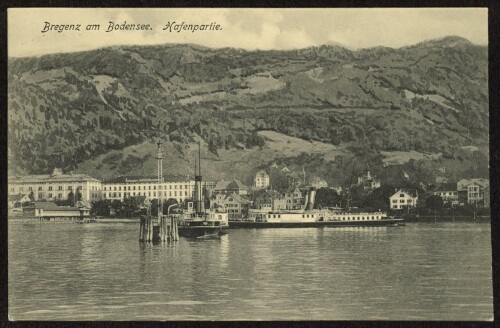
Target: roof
[(49, 206), (412, 193), (48, 178), (261, 174), (236, 184), (145, 178), (267, 193), (220, 185), (480, 181), (16, 197), (447, 187), (238, 198)]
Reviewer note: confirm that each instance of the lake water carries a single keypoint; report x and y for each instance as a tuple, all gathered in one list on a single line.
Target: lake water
[(423, 271)]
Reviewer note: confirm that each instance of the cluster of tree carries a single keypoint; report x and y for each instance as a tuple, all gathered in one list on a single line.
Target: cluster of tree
[(130, 207)]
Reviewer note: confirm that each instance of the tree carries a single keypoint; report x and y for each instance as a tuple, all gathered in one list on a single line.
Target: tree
[(133, 205), (71, 198), (101, 207), (32, 196), (326, 197), (434, 202)]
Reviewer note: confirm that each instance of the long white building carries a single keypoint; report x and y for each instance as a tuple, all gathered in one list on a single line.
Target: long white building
[(176, 187), (55, 186)]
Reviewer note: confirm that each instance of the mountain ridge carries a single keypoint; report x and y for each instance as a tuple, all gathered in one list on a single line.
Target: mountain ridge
[(69, 109)]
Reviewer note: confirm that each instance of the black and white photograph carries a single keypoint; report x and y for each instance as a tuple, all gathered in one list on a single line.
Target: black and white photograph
[(248, 164)]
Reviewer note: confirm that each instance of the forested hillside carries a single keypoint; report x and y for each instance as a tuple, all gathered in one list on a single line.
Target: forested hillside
[(423, 108)]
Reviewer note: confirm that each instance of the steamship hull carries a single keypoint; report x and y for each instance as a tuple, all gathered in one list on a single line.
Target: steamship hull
[(318, 224), (194, 229)]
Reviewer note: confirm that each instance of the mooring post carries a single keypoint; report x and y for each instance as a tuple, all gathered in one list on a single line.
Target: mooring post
[(176, 222), (141, 229)]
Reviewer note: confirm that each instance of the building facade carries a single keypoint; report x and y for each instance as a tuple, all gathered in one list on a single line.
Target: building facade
[(403, 199), (261, 180), (56, 186), (236, 205), (229, 187), (448, 193), (179, 188), (476, 191)]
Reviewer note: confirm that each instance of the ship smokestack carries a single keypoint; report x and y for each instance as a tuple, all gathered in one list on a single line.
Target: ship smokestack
[(311, 198), (198, 188)]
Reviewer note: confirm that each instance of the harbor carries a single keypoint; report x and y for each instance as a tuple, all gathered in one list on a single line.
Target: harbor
[(424, 271)]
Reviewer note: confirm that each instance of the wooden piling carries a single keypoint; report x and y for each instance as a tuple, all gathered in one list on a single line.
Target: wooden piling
[(141, 228), (176, 225)]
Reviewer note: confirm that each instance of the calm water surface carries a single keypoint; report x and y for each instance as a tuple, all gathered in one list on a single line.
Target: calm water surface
[(424, 271)]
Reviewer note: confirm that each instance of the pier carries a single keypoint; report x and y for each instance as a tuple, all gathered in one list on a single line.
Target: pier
[(163, 227)]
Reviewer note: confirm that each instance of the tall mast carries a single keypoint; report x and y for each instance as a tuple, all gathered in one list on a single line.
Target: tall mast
[(159, 157)]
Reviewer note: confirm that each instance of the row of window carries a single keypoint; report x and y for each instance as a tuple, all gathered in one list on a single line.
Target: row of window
[(49, 188), (402, 201), (358, 218), (149, 194), (119, 188)]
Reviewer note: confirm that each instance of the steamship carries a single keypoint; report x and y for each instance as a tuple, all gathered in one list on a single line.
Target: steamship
[(198, 221), (308, 217)]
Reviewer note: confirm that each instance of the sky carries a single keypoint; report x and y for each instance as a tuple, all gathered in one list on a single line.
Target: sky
[(249, 29)]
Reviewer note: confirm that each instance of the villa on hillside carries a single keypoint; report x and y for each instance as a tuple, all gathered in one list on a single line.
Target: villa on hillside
[(261, 180)]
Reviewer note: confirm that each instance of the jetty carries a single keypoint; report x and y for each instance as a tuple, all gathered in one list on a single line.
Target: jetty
[(160, 228)]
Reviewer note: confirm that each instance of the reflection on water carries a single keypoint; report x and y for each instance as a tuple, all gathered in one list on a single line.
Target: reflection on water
[(426, 271)]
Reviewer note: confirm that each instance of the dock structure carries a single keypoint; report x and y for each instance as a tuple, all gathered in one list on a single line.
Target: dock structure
[(161, 228)]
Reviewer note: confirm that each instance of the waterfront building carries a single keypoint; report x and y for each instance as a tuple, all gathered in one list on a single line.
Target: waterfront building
[(448, 193), (474, 189), (49, 210), (236, 205), (293, 198), (56, 186), (261, 180), (178, 187), (269, 200), (402, 199)]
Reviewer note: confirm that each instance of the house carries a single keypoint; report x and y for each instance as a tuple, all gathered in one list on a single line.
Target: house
[(403, 199), (318, 183), (236, 205), (473, 190), (368, 181), (261, 180), (462, 184), (293, 198), (269, 200), (14, 200), (229, 187), (448, 193)]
